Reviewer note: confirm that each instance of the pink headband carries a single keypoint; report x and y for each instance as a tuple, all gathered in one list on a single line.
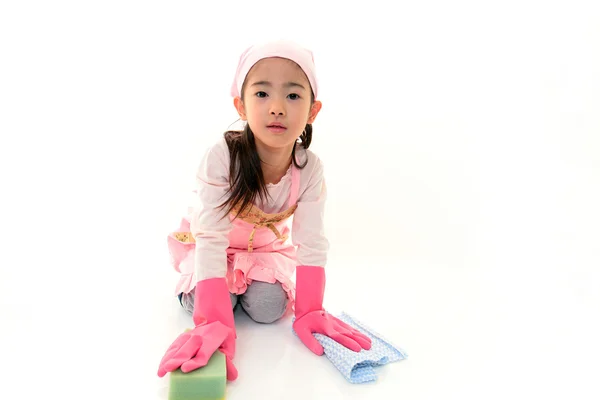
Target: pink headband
[(282, 48)]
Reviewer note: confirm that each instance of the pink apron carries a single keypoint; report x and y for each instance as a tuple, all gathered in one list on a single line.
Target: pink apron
[(259, 249)]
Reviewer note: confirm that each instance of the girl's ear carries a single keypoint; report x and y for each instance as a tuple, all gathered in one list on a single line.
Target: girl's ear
[(239, 106), (314, 110)]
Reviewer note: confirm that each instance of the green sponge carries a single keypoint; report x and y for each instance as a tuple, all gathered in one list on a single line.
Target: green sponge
[(205, 383)]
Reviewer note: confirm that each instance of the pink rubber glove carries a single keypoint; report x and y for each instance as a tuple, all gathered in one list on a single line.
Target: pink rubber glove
[(312, 318), (213, 315), (193, 349)]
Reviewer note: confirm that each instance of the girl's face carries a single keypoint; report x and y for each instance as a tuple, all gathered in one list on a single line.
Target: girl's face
[(277, 102)]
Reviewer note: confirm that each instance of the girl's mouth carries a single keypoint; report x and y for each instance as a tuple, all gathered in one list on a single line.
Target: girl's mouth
[(276, 128)]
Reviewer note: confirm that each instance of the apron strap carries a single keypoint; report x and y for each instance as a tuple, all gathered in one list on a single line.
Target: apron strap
[(251, 239), (294, 191)]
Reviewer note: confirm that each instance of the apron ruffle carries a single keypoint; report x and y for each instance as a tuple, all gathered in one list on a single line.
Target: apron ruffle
[(244, 268)]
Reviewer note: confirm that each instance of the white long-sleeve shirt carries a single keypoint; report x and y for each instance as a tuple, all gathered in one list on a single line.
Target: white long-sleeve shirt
[(210, 231)]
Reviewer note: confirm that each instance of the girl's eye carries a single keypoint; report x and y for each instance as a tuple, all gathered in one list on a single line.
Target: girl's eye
[(261, 94), (294, 96)]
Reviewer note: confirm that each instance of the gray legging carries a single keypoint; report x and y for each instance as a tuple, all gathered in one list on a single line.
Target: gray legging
[(263, 302)]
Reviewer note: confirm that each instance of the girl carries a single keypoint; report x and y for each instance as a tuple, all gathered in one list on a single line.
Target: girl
[(235, 247)]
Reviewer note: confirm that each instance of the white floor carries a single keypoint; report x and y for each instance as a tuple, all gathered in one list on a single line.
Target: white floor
[(508, 321), (470, 333)]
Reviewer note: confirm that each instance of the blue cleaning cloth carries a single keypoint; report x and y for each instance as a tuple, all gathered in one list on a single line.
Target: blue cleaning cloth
[(359, 367)]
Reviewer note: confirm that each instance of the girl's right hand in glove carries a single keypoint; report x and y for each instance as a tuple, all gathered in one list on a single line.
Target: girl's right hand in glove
[(193, 349)]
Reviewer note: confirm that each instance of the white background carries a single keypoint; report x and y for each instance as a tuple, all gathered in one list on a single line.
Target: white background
[(462, 149)]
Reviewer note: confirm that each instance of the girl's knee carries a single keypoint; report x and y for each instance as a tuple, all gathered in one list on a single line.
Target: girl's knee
[(187, 301), (265, 302)]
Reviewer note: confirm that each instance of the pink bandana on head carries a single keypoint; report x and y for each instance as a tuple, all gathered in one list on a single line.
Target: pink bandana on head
[(281, 48)]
